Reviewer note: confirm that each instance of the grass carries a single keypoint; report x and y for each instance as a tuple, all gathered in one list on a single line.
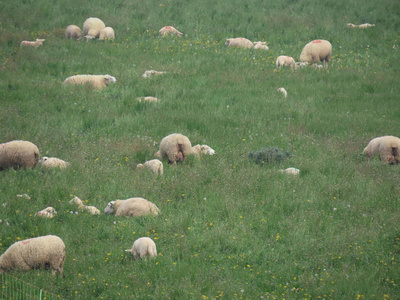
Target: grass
[(229, 229)]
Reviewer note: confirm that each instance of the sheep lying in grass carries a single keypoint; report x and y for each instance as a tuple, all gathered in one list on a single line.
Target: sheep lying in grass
[(107, 33), (283, 91), (149, 73), (317, 51), (91, 209), (169, 31), (143, 247), (290, 171), (135, 207), (96, 81), (202, 149), (48, 212), (92, 27), (52, 162), (261, 45), (387, 147), (18, 154), (26, 196), (73, 32), (175, 147), (36, 44), (285, 61), (148, 99), (239, 42), (154, 165), (40, 252), (365, 25)]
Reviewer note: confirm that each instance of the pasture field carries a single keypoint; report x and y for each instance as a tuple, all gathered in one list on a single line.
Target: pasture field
[(229, 228)]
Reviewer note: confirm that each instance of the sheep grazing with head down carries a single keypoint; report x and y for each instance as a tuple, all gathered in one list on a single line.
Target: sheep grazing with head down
[(40, 252), (142, 248), (135, 207), (18, 154), (52, 162), (95, 81), (175, 147), (365, 25), (387, 147), (91, 209), (73, 32), (154, 165), (48, 212), (92, 27), (202, 150), (317, 51), (285, 61), (239, 42), (169, 31), (107, 33), (36, 44), (261, 45)]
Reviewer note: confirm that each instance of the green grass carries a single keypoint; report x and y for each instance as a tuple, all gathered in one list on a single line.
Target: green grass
[(229, 229)]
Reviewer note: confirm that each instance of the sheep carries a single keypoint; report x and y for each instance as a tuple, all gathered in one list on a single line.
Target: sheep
[(135, 207), (96, 81), (142, 248), (149, 73), (260, 45), (107, 33), (388, 148), (92, 27), (239, 42), (365, 25), (148, 99), (317, 51), (290, 171), (73, 32), (91, 209), (154, 165), (52, 162), (36, 44), (18, 154), (174, 146), (202, 149), (284, 60), (40, 252), (26, 196), (169, 30), (48, 212), (283, 91)]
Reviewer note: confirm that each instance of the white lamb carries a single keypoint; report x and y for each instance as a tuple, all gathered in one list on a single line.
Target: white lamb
[(149, 73), (387, 147), (175, 147), (169, 31), (239, 42), (91, 209), (287, 61), (148, 99), (317, 51), (154, 165), (202, 149), (107, 33), (92, 27), (96, 81), (283, 91), (52, 162), (290, 171), (48, 212), (143, 247), (261, 45), (135, 207), (73, 32), (365, 25), (36, 44)]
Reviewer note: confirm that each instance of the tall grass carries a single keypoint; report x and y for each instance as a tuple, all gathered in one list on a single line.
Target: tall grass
[(229, 228)]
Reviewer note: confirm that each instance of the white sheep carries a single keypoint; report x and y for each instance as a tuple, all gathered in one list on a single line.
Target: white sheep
[(73, 32), (40, 252), (290, 171), (287, 61), (317, 51), (169, 31), (48, 212), (26, 196), (143, 247), (175, 147), (283, 91), (18, 154), (52, 162), (96, 81), (135, 207), (202, 149), (36, 44), (91, 209), (365, 25), (387, 147), (260, 45), (148, 99), (92, 27), (107, 33), (239, 42), (149, 73), (154, 165)]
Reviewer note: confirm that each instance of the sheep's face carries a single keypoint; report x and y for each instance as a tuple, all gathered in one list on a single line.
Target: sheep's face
[(110, 208), (207, 150), (43, 159), (228, 41), (109, 79)]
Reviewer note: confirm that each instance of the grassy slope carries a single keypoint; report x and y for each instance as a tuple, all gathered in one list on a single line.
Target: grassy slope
[(229, 228)]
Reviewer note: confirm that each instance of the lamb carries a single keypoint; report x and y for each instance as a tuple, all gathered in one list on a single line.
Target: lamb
[(91, 209), (40, 252), (260, 45), (36, 44), (150, 73), (18, 154), (148, 99), (169, 31), (73, 32), (388, 148), (92, 27), (154, 165), (365, 25), (107, 33), (283, 91), (284, 60), (239, 42), (290, 171), (142, 248), (174, 146), (48, 212), (52, 162), (96, 81), (135, 207), (26, 196), (317, 51), (202, 149)]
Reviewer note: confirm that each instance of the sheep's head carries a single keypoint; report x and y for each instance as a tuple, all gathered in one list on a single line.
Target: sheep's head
[(140, 166), (109, 79), (228, 41), (207, 150), (43, 159), (110, 208)]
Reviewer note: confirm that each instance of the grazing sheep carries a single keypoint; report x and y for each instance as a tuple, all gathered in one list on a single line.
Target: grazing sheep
[(148, 99), (388, 148), (317, 51), (92, 27), (18, 154), (142, 248), (73, 32), (169, 30), (135, 207), (365, 25), (48, 212), (283, 91), (261, 45), (154, 165), (239, 42), (36, 44), (174, 146), (107, 33), (150, 73), (40, 252), (96, 81), (52, 162), (91, 209), (202, 149), (290, 171), (287, 61)]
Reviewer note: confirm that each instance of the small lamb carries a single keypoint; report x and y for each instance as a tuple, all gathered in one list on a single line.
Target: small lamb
[(107, 33), (202, 149), (150, 73), (290, 171), (73, 32), (260, 45), (169, 30), (48, 212), (148, 99), (52, 162), (239, 42), (143, 247), (287, 61), (96, 81), (365, 25), (134, 207), (91, 209), (154, 165), (36, 44), (283, 91)]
